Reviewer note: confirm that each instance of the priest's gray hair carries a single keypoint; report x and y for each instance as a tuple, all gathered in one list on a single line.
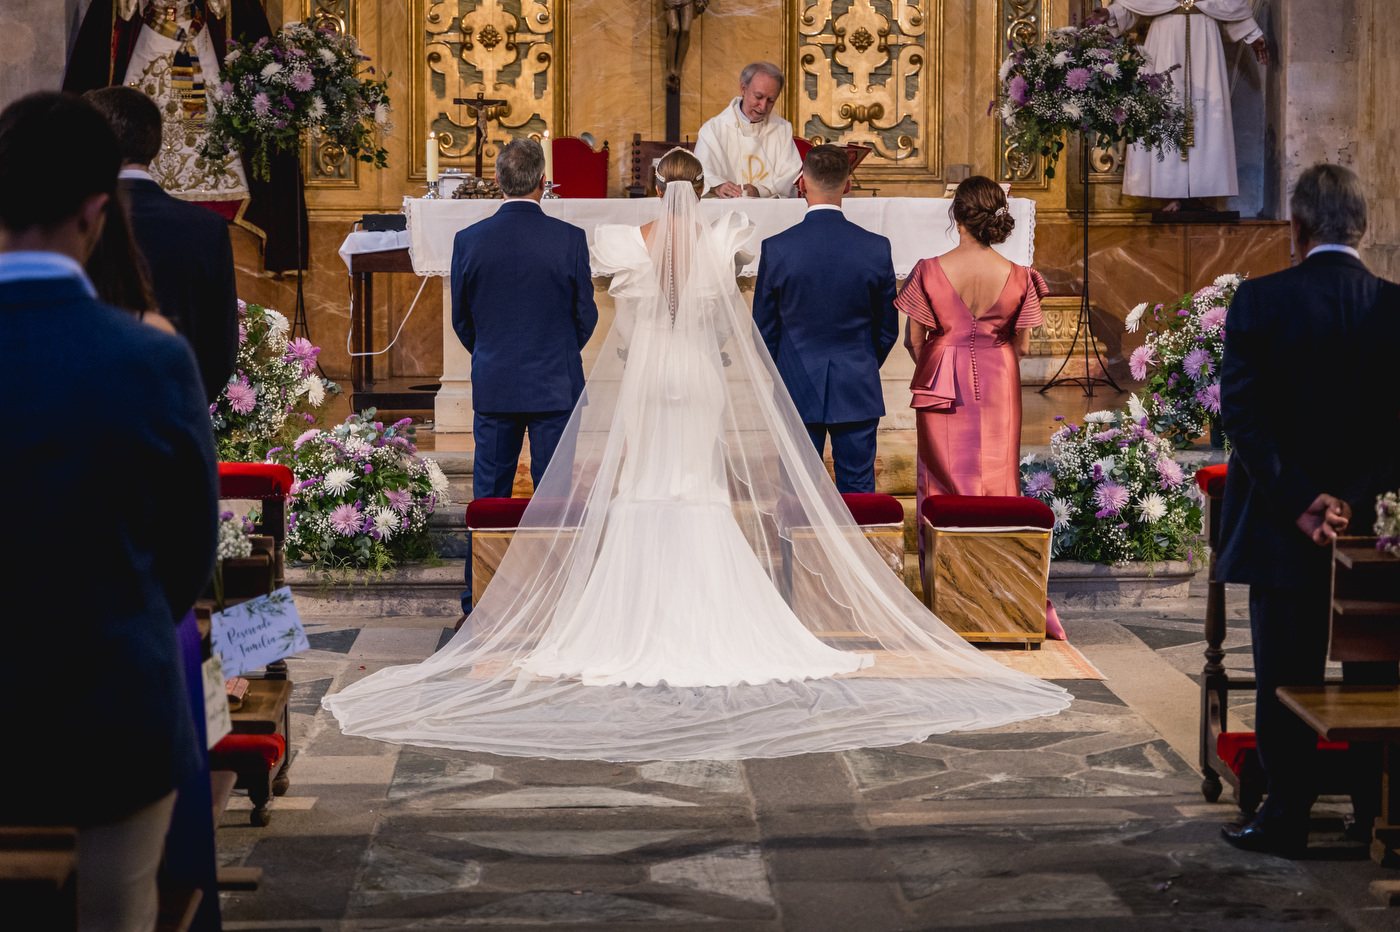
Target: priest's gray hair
[(762, 67), (519, 167), (1329, 205)]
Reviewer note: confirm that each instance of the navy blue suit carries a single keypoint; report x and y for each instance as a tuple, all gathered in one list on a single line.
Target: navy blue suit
[(522, 305), (824, 303), (116, 458)]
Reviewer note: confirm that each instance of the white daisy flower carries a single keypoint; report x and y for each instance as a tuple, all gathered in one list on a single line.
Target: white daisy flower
[(436, 479), (1099, 417), (327, 56), (1152, 507), (277, 325), (313, 389), (1135, 408), (1134, 317), (1063, 510), (1072, 110), (1008, 111), (1107, 463), (338, 479), (386, 521), (1063, 58), (381, 114), (1110, 71), (1228, 280), (1006, 67), (270, 69)]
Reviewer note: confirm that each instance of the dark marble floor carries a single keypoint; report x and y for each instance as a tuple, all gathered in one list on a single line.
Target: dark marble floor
[(1091, 820)]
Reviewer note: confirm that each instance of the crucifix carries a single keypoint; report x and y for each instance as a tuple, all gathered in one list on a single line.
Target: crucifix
[(480, 104), (680, 16)]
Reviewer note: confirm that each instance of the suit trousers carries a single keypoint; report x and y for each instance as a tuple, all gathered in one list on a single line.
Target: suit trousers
[(852, 452), (1290, 632), (117, 865), (498, 439)]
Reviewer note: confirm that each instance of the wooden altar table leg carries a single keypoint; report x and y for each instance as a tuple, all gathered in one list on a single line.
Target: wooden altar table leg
[(1386, 837), (357, 324), (369, 331)]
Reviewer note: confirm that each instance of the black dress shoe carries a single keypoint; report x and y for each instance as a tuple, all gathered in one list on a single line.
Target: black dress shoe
[(1266, 837)]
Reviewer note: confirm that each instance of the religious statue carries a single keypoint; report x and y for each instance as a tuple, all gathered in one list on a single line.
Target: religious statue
[(747, 150), (680, 15), (1187, 33)]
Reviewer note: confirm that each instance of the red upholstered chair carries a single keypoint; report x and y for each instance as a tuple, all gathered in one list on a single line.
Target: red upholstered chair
[(578, 170), (965, 538), (270, 484), (259, 761)]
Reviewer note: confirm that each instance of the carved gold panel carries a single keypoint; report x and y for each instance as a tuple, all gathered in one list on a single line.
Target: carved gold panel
[(1022, 23), (867, 72), (324, 163), (511, 50)]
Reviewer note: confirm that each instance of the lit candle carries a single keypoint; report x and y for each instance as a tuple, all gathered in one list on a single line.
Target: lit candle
[(432, 158), (548, 157)]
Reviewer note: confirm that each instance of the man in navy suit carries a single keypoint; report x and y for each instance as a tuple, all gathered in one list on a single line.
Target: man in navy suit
[(1308, 402), (110, 406), (522, 305), (824, 302), (186, 247)]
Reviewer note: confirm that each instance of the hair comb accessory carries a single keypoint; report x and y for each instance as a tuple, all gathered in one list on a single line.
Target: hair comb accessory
[(1000, 211)]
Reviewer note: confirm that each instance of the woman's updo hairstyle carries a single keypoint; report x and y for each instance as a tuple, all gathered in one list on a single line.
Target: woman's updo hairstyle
[(980, 206), (679, 165)]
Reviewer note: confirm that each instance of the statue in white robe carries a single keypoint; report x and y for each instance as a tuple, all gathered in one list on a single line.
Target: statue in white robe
[(1206, 166), (748, 151)]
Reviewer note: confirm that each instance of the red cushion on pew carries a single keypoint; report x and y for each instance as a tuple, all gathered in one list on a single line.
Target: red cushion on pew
[(1231, 745), (987, 511), (874, 507), (496, 512), (254, 480), (245, 753), (1211, 479)]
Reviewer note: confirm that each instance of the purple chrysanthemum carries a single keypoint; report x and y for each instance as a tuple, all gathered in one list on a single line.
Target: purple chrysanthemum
[(242, 333), (303, 81), (1142, 358), (399, 500), (1210, 397), (346, 519), (1213, 318), (242, 397), (1198, 364), (1111, 497), (1104, 436), (1119, 115), (1040, 483), (1077, 79), (261, 105), (1169, 472), (300, 350), (1018, 91)]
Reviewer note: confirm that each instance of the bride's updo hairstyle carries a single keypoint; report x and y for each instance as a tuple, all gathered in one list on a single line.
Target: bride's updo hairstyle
[(679, 165), (980, 206)]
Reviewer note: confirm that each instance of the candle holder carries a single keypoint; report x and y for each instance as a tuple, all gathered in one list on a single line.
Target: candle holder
[(432, 194), (549, 194)]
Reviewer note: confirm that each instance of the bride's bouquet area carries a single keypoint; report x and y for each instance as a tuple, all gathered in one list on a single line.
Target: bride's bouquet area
[(275, 92), (362, 496), (1118, 493), (1083, 78), (1181, 361), (274, 384)]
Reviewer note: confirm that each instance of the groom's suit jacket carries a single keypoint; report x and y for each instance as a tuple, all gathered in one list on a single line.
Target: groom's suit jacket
[(1309, 405), (824, 303), (522, 305)]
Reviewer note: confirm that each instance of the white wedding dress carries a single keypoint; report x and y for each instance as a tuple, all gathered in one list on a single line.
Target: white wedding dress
[(686, 582)]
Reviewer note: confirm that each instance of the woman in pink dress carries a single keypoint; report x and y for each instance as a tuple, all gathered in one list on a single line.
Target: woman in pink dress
[(970, 315)]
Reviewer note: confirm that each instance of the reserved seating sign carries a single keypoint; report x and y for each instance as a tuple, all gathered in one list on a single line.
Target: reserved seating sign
[(253, 634)]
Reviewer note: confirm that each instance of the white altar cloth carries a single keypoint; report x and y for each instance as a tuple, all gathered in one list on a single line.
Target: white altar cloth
[(917, 227)]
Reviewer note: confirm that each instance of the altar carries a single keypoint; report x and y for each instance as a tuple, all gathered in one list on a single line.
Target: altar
[(917, 227)]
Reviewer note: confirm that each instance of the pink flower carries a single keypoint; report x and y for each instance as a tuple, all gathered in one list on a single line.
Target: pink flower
[(1210, 397), (1077, 79), (1040, 483), (1198, 364), (300, 350), (1105, 436), (242, 333), (1018, 91), (241, 397), (242, 308), (307, 435), (1111, 497), (1142, 358), (400, 501), (345, 519), (261, 105), (1214, 318), (1169, 472), (302, 80)]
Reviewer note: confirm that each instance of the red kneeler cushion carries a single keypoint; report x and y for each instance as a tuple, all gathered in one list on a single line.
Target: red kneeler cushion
[(1211, 480), (1232, 745), (496, 512), (248, 753), (254, 480), (987, 511), (867, 508)]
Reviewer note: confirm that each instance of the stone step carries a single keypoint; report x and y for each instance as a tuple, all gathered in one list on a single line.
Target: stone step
[(434, 591)]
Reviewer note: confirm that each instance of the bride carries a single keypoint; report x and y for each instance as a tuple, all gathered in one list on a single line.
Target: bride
[(656, 602)]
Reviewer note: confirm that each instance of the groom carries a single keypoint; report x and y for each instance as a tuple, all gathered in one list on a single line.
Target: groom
[(522, 305), (824, 302)]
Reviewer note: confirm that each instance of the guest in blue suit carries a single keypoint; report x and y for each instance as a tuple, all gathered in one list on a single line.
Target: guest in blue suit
[(824, 303), (109, 407), (522, 305)]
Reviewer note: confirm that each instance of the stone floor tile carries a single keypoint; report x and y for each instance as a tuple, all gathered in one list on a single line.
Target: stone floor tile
[(547, 843), (396, 872), (405, 645), (569, 797), (332, 640), (418, 773), (371, 769), (736, 871), (715, 776)]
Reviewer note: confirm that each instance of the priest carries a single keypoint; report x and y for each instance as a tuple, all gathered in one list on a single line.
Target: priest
[(1187, 33), (747, 150)]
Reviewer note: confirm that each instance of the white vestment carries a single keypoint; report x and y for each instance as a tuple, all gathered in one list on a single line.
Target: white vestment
[(731, 148), (1209, 167)]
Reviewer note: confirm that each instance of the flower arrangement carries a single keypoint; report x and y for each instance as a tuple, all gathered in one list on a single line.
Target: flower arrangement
[(1181, 360), (1117, 493), (1387, 526), (234, 539), (302, 81), (362, 496), (1084, 78), (274, 378)]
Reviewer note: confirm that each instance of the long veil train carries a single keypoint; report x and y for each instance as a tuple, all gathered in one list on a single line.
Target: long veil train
[(687, 583)]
